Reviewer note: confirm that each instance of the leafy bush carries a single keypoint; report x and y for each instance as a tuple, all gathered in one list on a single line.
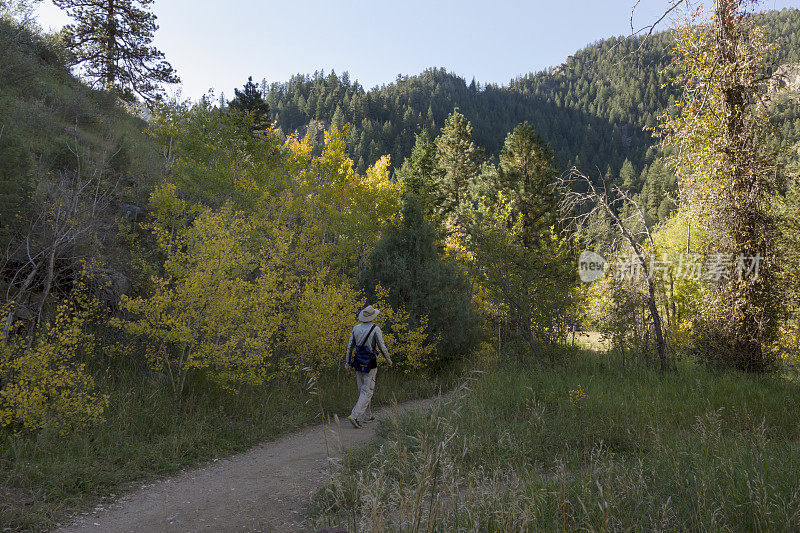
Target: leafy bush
[(45, 385), (321, 325), (215, 308)]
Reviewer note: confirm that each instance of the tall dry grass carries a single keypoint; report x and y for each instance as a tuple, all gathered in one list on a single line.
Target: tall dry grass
[(524, 450)]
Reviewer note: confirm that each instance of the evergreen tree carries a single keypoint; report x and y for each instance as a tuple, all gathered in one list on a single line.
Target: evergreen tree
[(420, 172), (612, 89), (628, 177), (338, 119), (112, 39), (21, 10), (459, 163), (251, 102), (408, 263), (526, 177), (525, 264)]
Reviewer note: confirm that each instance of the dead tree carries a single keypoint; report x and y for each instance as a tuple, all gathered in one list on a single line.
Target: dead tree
[(73, 218), (581, 199)]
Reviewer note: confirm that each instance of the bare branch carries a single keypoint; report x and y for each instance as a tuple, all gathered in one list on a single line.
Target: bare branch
[(675, 4), (576, 208)]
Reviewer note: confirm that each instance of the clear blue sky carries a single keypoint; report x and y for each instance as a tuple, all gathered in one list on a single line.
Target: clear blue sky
[(218, 44)]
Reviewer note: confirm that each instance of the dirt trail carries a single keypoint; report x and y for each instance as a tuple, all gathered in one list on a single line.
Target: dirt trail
[(263, 489)]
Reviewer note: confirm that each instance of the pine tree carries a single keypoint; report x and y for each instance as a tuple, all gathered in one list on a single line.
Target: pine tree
[(250, 101), (420, 172), (526, 177), (112, 41), (524, 262), (407, 262), (338, 121), (608, 176), (553, 102), (459, 163), (21, 10), (628, 177)]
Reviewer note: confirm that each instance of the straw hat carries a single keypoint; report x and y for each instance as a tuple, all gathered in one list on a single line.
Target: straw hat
[(368, 314)]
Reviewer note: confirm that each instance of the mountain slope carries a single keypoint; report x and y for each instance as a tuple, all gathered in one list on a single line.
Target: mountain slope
[(50, 122), (591, 109)]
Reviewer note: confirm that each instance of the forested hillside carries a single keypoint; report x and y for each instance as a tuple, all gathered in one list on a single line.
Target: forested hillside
[(591, 109), (52, 123), (179, 279)]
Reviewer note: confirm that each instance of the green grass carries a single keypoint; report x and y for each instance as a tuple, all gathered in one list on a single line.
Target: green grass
[(44, 478), (589, 340), (690, 450), (45, 107)]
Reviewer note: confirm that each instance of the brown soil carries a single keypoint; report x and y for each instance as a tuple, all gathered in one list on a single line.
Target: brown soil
[(263, 489)]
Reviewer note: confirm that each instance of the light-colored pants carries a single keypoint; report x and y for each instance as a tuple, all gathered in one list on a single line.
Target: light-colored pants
[(366, 386)]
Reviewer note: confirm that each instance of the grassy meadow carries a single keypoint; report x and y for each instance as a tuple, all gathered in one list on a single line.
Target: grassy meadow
[(582, 445)]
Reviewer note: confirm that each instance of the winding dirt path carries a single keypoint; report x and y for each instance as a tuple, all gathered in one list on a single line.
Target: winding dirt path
[(263, 489)]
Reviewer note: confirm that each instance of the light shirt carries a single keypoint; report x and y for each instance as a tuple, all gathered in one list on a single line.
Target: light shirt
[(359, 334)]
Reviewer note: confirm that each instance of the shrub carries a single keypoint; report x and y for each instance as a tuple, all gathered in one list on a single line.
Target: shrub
[(45, 385), (214, 309)]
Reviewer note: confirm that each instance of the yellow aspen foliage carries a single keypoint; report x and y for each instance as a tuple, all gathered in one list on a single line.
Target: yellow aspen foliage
[(339, 213), (787, 348), (455, 243), (683, 294), (45, 385), (262, 287), (215, 309), (411, 347), (172, 215), (321, 325), (373, 201)]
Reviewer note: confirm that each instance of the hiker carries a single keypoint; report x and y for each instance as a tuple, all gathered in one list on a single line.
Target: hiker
[(362, 357)]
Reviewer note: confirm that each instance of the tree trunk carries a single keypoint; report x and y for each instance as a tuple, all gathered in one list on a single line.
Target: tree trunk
[(11, 312), (746, 220), (651, 292), (111, 45)]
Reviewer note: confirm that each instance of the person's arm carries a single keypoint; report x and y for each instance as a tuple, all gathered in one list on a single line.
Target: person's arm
[(350, 345), (382, 345)]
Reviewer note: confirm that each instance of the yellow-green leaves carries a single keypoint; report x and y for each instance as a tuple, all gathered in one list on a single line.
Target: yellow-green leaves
[(264, 288), (214, 309), (46, 384), (410, 346), (322, 319)]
